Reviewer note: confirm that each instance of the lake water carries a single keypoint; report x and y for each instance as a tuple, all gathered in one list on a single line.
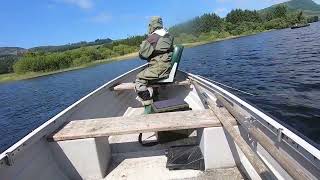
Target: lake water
[(282, 68)]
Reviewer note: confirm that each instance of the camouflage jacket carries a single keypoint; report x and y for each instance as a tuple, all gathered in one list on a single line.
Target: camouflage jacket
[(157, 50), (158, 43)]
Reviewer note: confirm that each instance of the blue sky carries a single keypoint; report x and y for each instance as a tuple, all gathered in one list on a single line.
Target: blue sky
[(54, 22)]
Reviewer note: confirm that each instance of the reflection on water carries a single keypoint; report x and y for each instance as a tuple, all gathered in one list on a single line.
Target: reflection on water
[(281, 67)]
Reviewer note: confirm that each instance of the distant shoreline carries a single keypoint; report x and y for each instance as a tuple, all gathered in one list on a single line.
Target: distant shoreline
[(15, 77), (194, 44)]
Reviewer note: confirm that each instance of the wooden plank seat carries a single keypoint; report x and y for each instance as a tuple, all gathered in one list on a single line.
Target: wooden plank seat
[(130, 85), (102, 127)]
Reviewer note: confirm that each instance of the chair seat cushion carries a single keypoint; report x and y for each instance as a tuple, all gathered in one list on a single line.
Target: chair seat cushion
[(170, 105)]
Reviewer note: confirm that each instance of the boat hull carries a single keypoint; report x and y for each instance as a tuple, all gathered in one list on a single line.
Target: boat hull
[(300, 26), (33, 157)]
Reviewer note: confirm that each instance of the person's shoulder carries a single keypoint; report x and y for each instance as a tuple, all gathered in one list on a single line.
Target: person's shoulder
[(153, 38)]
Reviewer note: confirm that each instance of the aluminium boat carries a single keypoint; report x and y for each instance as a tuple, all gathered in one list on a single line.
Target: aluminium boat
[(296, 26), (97, 138)]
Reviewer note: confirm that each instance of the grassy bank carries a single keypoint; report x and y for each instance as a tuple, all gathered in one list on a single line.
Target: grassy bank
[(14, 77)]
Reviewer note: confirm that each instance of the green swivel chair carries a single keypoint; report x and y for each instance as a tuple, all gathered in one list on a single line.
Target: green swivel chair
[(176, 56)]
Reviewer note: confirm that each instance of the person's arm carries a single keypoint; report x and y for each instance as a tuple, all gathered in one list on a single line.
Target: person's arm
[(146, 49)]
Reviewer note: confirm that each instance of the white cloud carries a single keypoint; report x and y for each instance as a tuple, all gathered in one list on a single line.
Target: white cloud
[(101, 18), (83, 4)]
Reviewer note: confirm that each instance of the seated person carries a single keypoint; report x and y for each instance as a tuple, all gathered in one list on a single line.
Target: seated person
[(157, 49)]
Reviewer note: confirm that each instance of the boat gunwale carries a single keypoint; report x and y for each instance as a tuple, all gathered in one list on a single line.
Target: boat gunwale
[(254, 111), (41, 131), (290, 128)]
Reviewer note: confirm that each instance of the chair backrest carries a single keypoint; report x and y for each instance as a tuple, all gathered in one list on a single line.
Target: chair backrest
[(176, 57)]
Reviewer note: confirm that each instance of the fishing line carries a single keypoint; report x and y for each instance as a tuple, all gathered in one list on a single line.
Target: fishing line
[(212, 81), (244, 92)]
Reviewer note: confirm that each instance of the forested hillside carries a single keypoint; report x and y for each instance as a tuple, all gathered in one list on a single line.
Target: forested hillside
[(40, 61), (11, 51), (8, 56), (309, 7), (209, 27), (6, 63)]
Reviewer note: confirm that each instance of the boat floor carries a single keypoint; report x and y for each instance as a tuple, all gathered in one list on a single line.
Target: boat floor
[(135, 166), (131, 160)]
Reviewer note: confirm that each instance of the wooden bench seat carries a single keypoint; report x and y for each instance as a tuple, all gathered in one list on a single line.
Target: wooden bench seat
[(93, 128), (130, 85)]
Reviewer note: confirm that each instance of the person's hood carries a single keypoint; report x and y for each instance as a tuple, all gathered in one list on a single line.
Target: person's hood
[(155, 23), (160, 32)]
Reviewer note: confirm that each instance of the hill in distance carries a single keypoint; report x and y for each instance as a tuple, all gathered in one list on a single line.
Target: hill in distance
[(309, 7), (5, 51), (71, 46), (14, 51)]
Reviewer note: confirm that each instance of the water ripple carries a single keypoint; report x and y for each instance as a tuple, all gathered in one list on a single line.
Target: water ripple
[(281, 67), (27, 104)]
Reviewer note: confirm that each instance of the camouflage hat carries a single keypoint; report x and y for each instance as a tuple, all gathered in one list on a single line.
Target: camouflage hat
[(155, 23)]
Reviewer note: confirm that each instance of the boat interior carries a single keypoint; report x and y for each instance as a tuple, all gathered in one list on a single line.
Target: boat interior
[(124, 157), (109, 135)]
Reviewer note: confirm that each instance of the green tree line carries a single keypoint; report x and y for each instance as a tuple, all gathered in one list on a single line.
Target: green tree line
[(40, 61), (210, 26), (6, 63)]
